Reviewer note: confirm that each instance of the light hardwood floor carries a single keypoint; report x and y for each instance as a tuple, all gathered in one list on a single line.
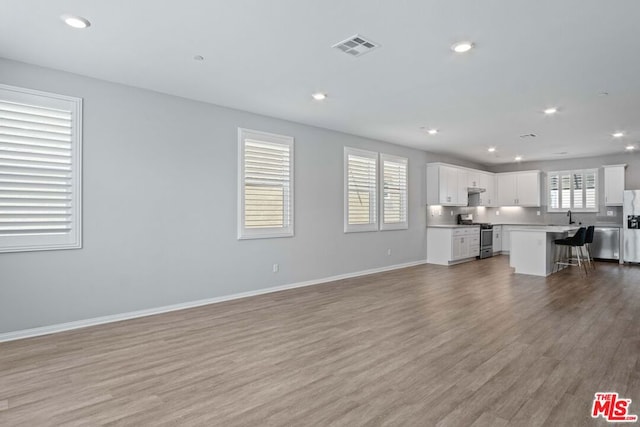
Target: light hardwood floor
[(472, 344)]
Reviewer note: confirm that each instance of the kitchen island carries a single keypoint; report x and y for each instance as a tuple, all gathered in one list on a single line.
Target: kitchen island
[(532, 248)]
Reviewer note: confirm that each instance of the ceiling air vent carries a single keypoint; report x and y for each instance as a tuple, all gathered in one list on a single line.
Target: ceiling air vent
[(356, 45)]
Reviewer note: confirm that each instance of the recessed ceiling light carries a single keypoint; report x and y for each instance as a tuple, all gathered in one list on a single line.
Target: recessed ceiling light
[(491, 149), (630, 147), (75, 21), (618, 134), (432, 131), (551, 110), (518, 158), (199, 58), (462, 47), (319, 96)]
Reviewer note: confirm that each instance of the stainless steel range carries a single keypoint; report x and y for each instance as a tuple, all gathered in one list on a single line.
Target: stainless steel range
[(486, 240)]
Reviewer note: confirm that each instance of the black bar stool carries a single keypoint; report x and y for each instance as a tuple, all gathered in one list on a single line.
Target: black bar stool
[(576, 241), (587, 244)]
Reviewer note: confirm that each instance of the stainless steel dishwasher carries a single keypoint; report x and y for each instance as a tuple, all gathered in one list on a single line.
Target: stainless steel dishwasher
[(606, 243)]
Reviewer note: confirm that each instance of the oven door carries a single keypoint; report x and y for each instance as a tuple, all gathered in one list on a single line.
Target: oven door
[(486, 238)]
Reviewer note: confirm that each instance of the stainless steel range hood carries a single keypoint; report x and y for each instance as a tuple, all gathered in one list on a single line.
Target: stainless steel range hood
[(476, 190)]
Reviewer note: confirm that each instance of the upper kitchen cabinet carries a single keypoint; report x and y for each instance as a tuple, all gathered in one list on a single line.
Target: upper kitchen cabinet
[(487, 181), (473, 178), (519, 189), (613, 184), (446, 185)]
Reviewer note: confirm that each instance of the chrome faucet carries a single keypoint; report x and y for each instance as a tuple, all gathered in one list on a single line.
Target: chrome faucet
[(570, 220)]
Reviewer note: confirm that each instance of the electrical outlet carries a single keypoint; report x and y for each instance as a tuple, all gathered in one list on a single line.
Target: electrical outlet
[(440, 212), (451, 212), (610, 213), (388, 251), (538, 213), (497, 213), (276, 268)]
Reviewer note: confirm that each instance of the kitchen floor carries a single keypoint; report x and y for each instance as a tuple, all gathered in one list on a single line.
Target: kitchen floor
[(471, 344)]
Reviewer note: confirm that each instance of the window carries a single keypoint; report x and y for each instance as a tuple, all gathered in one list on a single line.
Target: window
[(575, 190), (265, 185), (394, 192), (361, 190), (40, 170)]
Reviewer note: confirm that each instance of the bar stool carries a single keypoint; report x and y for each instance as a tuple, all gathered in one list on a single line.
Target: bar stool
[(587, 244), (576, 241)]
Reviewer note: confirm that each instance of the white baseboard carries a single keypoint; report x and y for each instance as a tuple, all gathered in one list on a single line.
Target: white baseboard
[(61, 327)]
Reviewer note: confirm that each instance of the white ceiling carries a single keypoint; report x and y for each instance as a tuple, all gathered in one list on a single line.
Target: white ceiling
[(268, 56)]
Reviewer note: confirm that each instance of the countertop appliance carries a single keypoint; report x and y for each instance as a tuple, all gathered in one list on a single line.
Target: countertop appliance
[(606, 243), (631, 226)]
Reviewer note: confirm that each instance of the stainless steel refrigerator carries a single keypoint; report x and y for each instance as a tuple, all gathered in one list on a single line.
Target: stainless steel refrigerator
[(631, 224)]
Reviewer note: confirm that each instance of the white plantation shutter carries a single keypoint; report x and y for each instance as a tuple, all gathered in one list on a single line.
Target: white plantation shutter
[(565, 197), (578, 190), (591, 189), (361, 190), (554, 191), (40, 143), (266, 185), (394, 192), (575, 190)]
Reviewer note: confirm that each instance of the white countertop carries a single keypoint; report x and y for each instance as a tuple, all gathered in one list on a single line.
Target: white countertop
[(546, 228), (452, 226)]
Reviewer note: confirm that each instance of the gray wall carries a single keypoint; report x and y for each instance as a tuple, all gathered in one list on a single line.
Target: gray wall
[(160, 209)]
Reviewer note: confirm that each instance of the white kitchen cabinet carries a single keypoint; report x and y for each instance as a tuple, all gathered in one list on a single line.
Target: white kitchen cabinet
[(473, 242), (446, 185), (450, 245), (613, 184), (473, 178), (507, 192), (488, 197), (463, 192), (460, 249), (497, 238), (519, 188)]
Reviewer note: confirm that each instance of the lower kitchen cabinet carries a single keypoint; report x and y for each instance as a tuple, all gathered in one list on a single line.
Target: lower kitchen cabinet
[(447, 246), (497, 238)]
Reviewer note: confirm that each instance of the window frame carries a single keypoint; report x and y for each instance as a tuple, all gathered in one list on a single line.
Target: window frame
[(371, 226), (287, 230), (571, 173), (53, 241), (403, 225)]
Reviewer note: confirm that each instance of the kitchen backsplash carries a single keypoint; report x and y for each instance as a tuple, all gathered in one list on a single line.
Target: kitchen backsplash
[(441, 215)]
